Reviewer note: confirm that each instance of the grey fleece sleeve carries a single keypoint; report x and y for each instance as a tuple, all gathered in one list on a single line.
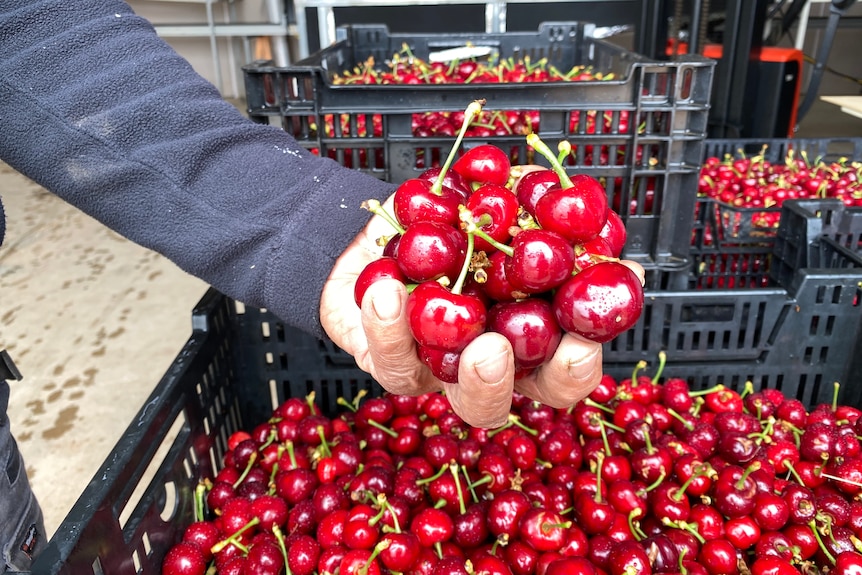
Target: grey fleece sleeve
[(99, 110)]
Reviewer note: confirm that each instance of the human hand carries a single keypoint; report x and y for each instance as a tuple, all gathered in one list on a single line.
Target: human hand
[(379, 339)]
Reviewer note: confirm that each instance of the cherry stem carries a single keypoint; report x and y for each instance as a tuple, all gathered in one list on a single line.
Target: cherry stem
[(251, 460), (234, 537), (438, 475), (679, 492), (813, 525), (702, 392), (462, 507), (344, 403), (740, 483), (200, 490), (747, 389), (465, 268), (537, 144), (516, 421), (835, 389), (471, 487), (600, 461), (687, 424), (279, 538), (290, 453), (473, 110), (564, 148), (374, 553), (376, 208), (472, 227), (387, 430), (639, 366), (662, 361), (323, 443), (593, 403), (634, 527), (690, 528)]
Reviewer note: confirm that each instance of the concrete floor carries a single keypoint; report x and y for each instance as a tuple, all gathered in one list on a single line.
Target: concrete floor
[(93, 321)]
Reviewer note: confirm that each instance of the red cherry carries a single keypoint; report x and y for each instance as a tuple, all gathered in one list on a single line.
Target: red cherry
[(577, 213), (184, 558), (484, 164), (444, 320), (600, 302), (530, 327), (385, 267), (429, 251), (415, 201), (495, 210), (541, 260)]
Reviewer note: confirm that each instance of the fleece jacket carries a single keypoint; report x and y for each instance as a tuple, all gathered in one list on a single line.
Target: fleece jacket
[(96, 108)]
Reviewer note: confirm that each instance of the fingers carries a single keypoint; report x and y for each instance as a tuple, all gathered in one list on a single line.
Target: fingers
[(483, 395), (391, 357), (570, 375)]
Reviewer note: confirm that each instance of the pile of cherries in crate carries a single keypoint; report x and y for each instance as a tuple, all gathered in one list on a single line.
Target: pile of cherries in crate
[(405, 68), (753, 183), (529, 263), (643, 476)]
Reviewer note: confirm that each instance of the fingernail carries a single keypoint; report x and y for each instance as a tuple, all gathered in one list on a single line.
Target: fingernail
[(387, 306), (492, 369)]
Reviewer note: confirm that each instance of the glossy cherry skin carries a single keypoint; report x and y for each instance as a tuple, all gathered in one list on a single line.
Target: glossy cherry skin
[(452, 180), (614, 233), (497, 286), (444, 320), (383, 268), (533, 186), (500, 206), (429, 251), (530, 327), (415, 201), (600, 302), (443, 364), (484, 164), (541, 260), (578, 213)]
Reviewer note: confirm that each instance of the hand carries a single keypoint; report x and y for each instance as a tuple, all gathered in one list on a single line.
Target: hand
[(379, 339)]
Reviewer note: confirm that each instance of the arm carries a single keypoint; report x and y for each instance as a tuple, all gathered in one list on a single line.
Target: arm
[(100, 111)]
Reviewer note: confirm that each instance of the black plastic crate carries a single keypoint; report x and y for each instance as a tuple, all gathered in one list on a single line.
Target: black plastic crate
[(643, 162), (787, 317)]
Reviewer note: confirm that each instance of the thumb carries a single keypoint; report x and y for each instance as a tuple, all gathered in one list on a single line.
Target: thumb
[(483, 395)]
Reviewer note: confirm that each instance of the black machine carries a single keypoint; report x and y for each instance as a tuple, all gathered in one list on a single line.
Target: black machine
[(757, 90)]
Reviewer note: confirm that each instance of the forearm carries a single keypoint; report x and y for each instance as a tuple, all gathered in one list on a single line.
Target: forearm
[(96, 108)]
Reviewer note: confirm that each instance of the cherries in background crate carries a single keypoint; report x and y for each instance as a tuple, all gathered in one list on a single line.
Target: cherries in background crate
[(752, 189), (643, 476), (538, 260)]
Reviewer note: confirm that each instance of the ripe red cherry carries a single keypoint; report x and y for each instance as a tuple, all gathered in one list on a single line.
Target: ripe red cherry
[(385, 267), (530, 327), (444, 320), (541, 260), (614, 233), (495, 210), (429, 251), (184, 558), (416, 201), (600, 302), (533, 186), (485, 164), (577, 213)]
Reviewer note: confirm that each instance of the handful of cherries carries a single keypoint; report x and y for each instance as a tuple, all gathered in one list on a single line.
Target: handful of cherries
[(482, 247)]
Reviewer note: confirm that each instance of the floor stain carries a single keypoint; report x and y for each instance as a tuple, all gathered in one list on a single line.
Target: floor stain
[(74, 381), (37, 406), (65, 421), (54, 396), (99, 352)]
